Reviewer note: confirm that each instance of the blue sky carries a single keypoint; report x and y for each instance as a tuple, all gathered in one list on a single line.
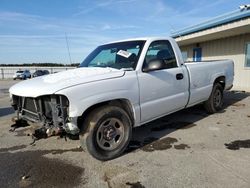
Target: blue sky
[(33, 31)]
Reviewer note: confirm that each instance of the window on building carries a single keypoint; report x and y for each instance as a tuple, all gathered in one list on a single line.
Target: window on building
[(197, 54), (247, 64)]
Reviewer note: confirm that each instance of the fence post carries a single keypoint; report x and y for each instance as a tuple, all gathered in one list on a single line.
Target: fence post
[(2, 73)]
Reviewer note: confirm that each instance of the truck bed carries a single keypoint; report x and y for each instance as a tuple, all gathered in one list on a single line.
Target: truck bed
[(202, 75)]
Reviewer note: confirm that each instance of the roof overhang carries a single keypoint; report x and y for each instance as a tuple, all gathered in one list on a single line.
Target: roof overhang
[(231, 29)]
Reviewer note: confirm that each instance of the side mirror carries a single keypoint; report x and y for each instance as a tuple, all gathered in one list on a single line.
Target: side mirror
[(153, 65)]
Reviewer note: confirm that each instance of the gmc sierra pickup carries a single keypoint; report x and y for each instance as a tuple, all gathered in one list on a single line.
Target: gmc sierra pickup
[(121, 85)]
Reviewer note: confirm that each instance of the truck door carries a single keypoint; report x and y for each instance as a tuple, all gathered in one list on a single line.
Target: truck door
[(162, 91)]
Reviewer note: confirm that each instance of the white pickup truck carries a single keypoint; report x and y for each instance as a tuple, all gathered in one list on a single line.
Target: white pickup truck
[(121, 85)]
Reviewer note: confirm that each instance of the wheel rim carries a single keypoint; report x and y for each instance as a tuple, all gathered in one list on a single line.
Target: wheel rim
[(110, 134), (217, 98)]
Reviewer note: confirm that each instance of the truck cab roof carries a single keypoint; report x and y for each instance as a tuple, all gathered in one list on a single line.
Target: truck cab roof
[(149, 39)]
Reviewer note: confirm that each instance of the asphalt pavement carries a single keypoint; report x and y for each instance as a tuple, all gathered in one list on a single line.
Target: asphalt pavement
[(186, 149)]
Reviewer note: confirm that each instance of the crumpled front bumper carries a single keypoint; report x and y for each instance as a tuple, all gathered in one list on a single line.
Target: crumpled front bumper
[(50, 111)]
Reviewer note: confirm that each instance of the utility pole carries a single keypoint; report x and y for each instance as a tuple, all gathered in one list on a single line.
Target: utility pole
[(66, 38)]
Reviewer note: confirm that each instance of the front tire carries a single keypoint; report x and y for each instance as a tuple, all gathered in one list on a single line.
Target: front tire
[(215, 101), (108, 132)]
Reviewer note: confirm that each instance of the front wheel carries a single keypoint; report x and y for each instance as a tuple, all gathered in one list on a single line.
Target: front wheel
[(108, 132), (215, 101)]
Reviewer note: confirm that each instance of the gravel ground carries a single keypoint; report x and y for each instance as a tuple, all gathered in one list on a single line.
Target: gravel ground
[(186, 149)]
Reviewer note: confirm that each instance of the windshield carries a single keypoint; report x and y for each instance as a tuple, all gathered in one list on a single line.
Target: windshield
[(122, 55), (19, 71)]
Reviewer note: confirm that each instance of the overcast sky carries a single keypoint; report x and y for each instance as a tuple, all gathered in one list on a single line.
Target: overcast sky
[(33, 31)]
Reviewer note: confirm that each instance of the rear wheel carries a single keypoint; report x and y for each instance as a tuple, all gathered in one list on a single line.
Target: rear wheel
[(108, 132), (215, 101)]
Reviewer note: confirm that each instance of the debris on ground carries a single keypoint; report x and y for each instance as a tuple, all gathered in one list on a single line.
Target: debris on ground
[(17, 124), (236, 145)]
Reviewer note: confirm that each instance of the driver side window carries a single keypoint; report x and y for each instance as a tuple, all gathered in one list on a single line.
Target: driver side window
[(161, 50)]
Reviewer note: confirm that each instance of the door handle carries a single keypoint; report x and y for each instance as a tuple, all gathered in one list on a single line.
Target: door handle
[(179, 76)]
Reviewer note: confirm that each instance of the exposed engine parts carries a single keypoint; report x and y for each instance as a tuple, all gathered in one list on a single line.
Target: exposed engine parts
[(49, 111)]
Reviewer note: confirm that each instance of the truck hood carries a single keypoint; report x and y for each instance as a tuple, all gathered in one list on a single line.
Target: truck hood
[(52, 83)]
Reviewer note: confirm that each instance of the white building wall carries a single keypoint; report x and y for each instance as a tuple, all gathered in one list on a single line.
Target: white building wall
[(227, 48)]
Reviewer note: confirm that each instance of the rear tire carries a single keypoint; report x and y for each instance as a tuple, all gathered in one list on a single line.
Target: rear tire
[(108, 132), (215, 101)]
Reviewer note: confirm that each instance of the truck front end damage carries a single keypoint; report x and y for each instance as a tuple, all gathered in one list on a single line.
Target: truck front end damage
[(48, 111)]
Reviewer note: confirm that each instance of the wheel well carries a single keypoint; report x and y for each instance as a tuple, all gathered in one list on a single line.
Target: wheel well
[(123, 103), (221, 80)]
